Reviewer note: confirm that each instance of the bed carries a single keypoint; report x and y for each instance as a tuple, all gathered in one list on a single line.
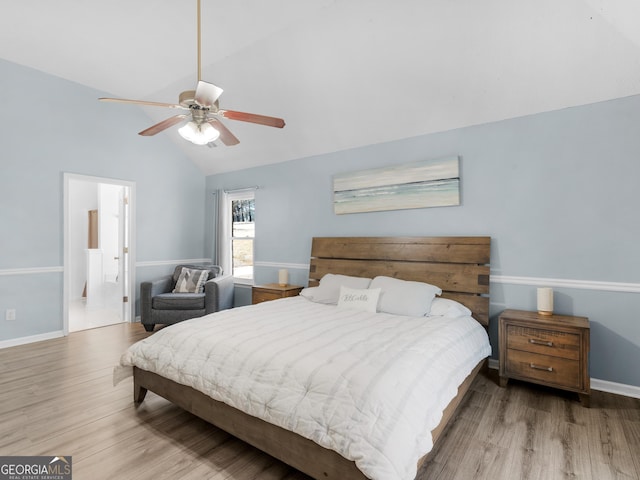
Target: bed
[(458, 265)]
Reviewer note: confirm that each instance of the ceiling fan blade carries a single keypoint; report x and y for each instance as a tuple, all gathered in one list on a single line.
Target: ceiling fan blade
[(207, 93), (142, 102), (253, 118), (163, 125), (226, 136)]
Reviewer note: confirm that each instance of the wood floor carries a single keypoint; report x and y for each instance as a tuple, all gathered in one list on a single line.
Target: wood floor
[(57, 398)]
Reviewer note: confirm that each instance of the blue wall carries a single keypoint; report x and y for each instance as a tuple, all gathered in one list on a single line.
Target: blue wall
[(557, 192), (49, 126)]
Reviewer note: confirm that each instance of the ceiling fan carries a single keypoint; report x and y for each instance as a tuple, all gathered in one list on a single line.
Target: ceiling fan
[(202, 120)]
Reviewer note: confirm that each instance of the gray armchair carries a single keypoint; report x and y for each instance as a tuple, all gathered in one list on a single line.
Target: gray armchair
[(160, 305)]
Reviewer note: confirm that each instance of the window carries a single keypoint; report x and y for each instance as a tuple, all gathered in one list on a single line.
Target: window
[(240, 228), (242, 234)]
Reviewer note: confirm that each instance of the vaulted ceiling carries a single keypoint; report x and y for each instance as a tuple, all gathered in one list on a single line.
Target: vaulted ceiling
[(341, 73)]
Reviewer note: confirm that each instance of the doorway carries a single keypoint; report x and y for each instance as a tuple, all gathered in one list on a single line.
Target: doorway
[(98, 253)]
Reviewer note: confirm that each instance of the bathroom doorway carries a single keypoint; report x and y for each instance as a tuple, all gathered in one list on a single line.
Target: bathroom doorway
[(97, 252)]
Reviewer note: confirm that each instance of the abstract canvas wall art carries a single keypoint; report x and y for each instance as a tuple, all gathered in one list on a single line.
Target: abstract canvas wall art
[(428, 183)]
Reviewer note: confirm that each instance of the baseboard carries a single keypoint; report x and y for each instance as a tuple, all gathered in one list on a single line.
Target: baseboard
[(14, 342), (596, 384), (617, 388)]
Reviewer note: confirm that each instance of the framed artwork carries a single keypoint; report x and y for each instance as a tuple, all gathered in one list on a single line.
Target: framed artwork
[(428, 183)]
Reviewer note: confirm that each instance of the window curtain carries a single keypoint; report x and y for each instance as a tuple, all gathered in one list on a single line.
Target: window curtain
[(223, 244)]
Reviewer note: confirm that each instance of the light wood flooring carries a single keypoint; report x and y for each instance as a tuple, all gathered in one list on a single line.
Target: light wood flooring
[(57, 398)]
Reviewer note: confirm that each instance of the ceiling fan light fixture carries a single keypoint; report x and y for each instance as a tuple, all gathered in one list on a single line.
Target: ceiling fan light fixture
[(199, 134)]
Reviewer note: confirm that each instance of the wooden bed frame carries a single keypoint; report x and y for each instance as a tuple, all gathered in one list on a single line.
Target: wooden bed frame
[(458, 265)]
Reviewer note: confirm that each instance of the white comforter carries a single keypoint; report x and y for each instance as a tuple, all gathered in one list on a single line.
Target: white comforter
[(369, 386)]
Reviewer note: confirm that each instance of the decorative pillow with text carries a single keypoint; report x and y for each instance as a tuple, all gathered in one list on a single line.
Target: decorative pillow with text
[(359, 299)]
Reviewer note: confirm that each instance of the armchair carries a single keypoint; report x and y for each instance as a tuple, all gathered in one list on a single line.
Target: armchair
[(160, 305)]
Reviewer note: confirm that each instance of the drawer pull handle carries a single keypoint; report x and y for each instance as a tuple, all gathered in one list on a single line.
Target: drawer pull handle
[(539, 367), (538, 342)]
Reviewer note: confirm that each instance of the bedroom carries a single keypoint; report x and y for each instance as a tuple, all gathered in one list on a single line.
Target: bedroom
[(555, 190)]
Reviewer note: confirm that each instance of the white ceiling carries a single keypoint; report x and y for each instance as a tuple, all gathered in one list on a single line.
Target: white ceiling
[(341, 73)]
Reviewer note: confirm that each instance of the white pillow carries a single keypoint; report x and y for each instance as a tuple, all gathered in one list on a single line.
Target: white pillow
[(359, 299), (329, 289), (446, 307), (402, 297), (319, 295)]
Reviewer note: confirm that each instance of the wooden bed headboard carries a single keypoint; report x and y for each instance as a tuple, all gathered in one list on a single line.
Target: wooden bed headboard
[(458, 265)]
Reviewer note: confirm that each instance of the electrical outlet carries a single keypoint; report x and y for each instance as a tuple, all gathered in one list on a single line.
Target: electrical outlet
[(10, 314)]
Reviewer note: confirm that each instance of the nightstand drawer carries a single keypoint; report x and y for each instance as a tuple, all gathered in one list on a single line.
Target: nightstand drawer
[(273, 291), (546, 342), (545, 368), (260, 296)]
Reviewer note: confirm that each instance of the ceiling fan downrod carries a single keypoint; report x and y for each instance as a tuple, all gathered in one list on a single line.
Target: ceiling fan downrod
[(199, 42)]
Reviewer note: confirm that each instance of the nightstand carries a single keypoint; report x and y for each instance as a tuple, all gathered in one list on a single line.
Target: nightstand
[(551, 350), (273, 291)]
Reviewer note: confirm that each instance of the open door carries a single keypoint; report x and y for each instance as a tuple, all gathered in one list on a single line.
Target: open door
[(97, 275), (114, 243)]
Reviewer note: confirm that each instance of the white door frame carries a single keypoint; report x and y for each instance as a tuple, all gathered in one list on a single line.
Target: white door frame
[(130, 267)]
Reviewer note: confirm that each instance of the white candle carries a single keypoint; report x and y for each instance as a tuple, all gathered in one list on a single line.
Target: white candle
[(283, 277), (545, 301)]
